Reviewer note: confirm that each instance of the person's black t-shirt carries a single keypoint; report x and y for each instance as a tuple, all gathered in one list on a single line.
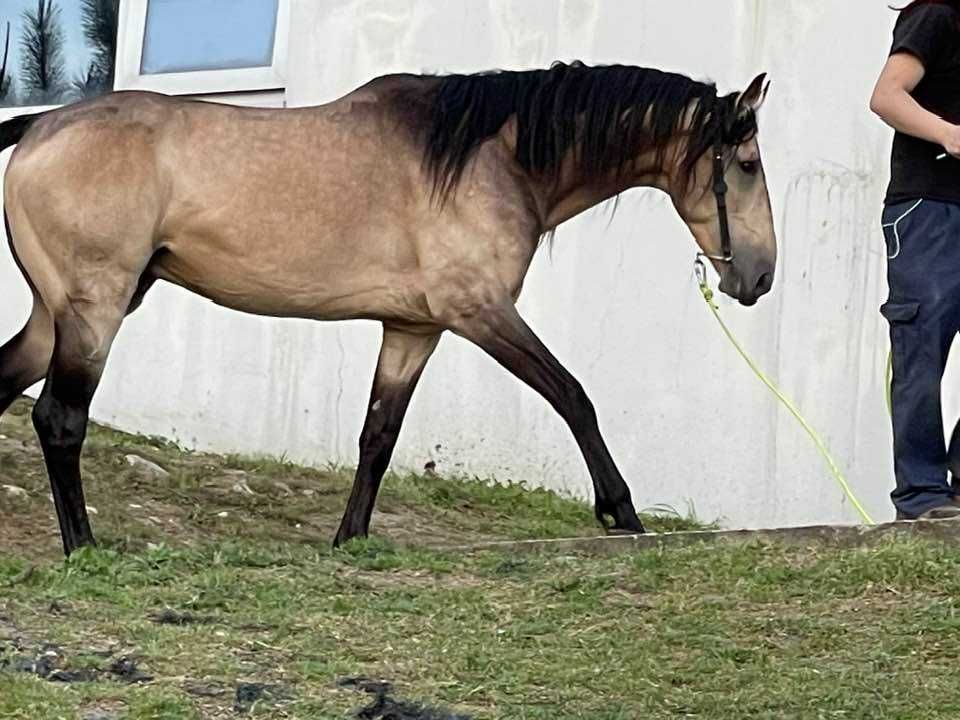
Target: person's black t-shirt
[(931, 32)]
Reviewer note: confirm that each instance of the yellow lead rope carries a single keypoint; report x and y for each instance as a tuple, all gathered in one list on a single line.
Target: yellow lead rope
[(817, 440)]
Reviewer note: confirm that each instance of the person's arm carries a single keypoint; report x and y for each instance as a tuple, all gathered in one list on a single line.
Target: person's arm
[(895, 105)]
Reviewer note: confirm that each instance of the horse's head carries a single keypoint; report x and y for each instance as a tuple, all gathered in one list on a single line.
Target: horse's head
[(747, 259)]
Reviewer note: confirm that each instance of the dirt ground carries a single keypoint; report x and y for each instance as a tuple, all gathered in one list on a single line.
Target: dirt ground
[(194, 496), (143, 491)]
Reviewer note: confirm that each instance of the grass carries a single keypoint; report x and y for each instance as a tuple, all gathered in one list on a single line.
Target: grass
[(750, 631), (212, 609)]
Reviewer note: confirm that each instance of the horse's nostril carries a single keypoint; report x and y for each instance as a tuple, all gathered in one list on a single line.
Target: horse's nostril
[(764, 283)]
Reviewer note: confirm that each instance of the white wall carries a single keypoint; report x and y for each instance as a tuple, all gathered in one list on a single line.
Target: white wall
[(616, 300)]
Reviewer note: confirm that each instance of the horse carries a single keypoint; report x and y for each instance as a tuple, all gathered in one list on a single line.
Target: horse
[(415, 200)]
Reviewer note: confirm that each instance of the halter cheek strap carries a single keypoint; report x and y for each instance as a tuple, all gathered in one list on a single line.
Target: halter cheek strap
[(720, 192)]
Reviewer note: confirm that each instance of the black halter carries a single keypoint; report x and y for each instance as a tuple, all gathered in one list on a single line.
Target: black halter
[(720, 192)]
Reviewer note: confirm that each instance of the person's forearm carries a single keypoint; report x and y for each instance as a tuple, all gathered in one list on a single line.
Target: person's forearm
[(900, 111)]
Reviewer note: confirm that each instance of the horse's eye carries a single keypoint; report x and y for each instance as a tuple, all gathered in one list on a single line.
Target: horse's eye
[(750, 167)]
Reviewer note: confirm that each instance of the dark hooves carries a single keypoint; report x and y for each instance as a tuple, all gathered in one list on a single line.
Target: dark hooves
[(624, 522), (71, 546), (343, 537), (615, 531)]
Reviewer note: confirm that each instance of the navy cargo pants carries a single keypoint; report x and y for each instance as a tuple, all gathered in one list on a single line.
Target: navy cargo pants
[(923, 309)]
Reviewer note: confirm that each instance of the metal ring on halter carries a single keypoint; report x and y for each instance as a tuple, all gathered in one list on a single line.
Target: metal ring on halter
[(718, 258)]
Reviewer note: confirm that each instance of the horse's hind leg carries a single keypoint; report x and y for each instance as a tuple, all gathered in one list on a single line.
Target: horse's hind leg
[(83, 336), (25, 358)]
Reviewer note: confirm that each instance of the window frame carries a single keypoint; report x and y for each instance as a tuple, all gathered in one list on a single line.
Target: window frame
[(8, 113), (131, 31)]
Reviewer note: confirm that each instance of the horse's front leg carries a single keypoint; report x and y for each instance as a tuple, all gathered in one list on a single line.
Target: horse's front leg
[(502, 333), (403, 355)]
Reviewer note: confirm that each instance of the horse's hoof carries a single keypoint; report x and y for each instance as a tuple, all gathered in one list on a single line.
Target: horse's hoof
[(345, 536), (71, 544), (614, 531), (619, 519)]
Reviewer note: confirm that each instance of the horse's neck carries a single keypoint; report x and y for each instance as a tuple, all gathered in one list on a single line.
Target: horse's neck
[(569, 195)]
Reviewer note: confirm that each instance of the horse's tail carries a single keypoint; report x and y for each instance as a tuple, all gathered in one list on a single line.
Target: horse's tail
[(13, 130)]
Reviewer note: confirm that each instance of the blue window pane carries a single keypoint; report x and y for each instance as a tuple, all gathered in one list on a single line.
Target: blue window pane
[(191, 35)]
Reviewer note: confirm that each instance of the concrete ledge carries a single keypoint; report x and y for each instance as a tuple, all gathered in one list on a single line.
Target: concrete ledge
[(826, 535)]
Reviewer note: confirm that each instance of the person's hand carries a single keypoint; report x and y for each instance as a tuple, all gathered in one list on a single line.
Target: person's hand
[(951, 140)]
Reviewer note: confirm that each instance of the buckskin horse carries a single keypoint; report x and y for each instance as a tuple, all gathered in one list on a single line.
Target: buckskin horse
[(416, 201)]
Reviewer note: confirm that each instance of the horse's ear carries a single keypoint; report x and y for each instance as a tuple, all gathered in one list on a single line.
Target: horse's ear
[(752, 98)]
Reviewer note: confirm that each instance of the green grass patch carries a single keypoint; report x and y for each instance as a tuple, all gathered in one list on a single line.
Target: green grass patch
[(738, 631), (217, 580)]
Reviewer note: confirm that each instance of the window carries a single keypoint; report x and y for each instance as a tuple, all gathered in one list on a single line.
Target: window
[(202, 46), (56, 51)]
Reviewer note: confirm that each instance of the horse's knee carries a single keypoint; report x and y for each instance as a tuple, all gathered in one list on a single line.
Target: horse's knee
[(59, 426)]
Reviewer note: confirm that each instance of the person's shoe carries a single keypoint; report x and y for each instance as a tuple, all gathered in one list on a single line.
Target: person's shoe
[(950, 510)]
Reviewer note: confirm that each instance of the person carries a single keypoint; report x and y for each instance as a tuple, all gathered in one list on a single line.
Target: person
[(918, 95)]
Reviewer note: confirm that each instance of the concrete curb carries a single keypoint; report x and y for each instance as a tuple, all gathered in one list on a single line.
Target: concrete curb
[(826, 535)]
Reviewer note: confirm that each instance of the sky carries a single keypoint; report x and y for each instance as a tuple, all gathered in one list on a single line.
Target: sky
[(195, 34), (182, 35), (76, 53)]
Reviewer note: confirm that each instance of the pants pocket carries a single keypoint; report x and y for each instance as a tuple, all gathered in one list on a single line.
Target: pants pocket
[(904, 329), (894, 225)]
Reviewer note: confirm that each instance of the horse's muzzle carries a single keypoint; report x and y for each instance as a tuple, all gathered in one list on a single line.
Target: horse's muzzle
[(747, 285)]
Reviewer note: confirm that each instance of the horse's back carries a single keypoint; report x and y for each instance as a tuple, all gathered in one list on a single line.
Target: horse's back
[(321, 212)]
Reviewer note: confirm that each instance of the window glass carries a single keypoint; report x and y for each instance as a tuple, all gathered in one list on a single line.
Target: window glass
[(58, 51), (194, 35)]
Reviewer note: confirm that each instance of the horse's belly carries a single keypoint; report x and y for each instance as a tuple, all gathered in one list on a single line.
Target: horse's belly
[(293, 285)]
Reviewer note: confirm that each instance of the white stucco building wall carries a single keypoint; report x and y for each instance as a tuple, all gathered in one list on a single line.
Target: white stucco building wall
[(615, 299)]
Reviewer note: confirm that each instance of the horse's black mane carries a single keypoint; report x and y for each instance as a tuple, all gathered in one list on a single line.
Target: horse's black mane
[(607, 114)]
